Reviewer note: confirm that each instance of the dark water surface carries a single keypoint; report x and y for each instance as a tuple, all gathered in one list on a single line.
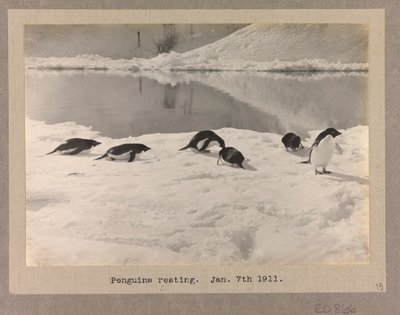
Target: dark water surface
[(134, 104)]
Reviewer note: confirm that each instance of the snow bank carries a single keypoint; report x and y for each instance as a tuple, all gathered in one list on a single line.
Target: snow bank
[(282, 47), (181, 62), (171, 206)]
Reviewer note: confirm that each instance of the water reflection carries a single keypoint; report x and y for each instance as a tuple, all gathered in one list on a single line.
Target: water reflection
[(170, 95), (141, 103)]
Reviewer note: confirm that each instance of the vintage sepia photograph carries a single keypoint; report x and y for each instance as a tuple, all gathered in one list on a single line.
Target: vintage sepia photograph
[(197, 144)]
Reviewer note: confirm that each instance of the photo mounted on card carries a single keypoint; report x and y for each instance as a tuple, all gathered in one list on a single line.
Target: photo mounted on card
[(196, 151)]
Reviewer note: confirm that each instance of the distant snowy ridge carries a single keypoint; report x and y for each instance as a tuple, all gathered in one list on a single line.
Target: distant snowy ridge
[(332, 43), (281, 47), (179, 62)]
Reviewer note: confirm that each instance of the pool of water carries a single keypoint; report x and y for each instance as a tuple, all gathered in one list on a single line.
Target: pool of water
[(131, 104)]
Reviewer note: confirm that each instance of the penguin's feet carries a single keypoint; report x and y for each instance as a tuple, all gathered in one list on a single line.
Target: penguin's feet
[(325, 171), (318, 172)]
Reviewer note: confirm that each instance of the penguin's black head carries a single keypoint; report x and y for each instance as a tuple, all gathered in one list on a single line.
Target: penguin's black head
[(146, 148), (222, 144), (333, 132), (94, 143), (296, 143)]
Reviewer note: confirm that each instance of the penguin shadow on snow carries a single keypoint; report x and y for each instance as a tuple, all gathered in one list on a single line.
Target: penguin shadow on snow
[(248, 167), (340, 177), (301, 153), (212, 154), (138, 158), (69, 156)]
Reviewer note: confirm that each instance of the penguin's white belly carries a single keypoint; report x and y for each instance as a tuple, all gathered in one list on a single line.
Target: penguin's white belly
[(226, 162), (67, 151), (322, 153), (200, 144), (213, 143), (123, 156)]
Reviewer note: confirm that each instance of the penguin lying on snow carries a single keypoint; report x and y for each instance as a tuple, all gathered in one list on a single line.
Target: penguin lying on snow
[(231, 156), (75, 146), (322, 150), (204, 139), (291, 140), (126, 151)]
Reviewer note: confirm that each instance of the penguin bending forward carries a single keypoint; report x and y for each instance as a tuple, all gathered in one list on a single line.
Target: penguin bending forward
[(204, 139), (126, 151), (231, 156), (322, 150), (291, 140), (75, 145)]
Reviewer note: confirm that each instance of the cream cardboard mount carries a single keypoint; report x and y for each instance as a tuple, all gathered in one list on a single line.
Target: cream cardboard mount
[(195, 277)]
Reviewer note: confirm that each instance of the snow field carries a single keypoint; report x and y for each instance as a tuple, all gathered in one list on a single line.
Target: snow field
[(171, 206)]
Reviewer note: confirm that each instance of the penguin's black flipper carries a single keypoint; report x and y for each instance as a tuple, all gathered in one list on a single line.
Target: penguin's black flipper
[(101, 157), (55, 150), (309, 151), (184, 148), (132, 156), (61, 147)]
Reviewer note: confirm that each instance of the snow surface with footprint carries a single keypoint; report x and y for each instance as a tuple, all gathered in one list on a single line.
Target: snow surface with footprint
[(171, 206)]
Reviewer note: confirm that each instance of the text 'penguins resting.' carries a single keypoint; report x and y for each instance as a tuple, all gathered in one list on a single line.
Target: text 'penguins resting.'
[(75, 145), (203, 140), (126, 151)]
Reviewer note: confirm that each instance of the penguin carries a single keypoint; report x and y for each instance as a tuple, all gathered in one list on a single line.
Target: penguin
[(291, 140), (75, 145), (124, 151), (204, 139), (322, 150), (231, 156)]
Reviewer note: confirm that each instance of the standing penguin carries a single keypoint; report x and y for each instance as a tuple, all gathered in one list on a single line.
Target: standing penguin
[(231, 156), (322, 150), (126, 151), (204, 139), (291, 140), (75, 145)]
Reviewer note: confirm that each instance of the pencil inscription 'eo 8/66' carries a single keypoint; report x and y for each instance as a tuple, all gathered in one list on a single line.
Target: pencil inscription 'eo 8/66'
[(335, 309)]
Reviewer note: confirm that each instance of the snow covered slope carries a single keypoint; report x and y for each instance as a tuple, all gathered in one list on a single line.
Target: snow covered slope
[(334, 43), (257, 47), (171, 206)]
